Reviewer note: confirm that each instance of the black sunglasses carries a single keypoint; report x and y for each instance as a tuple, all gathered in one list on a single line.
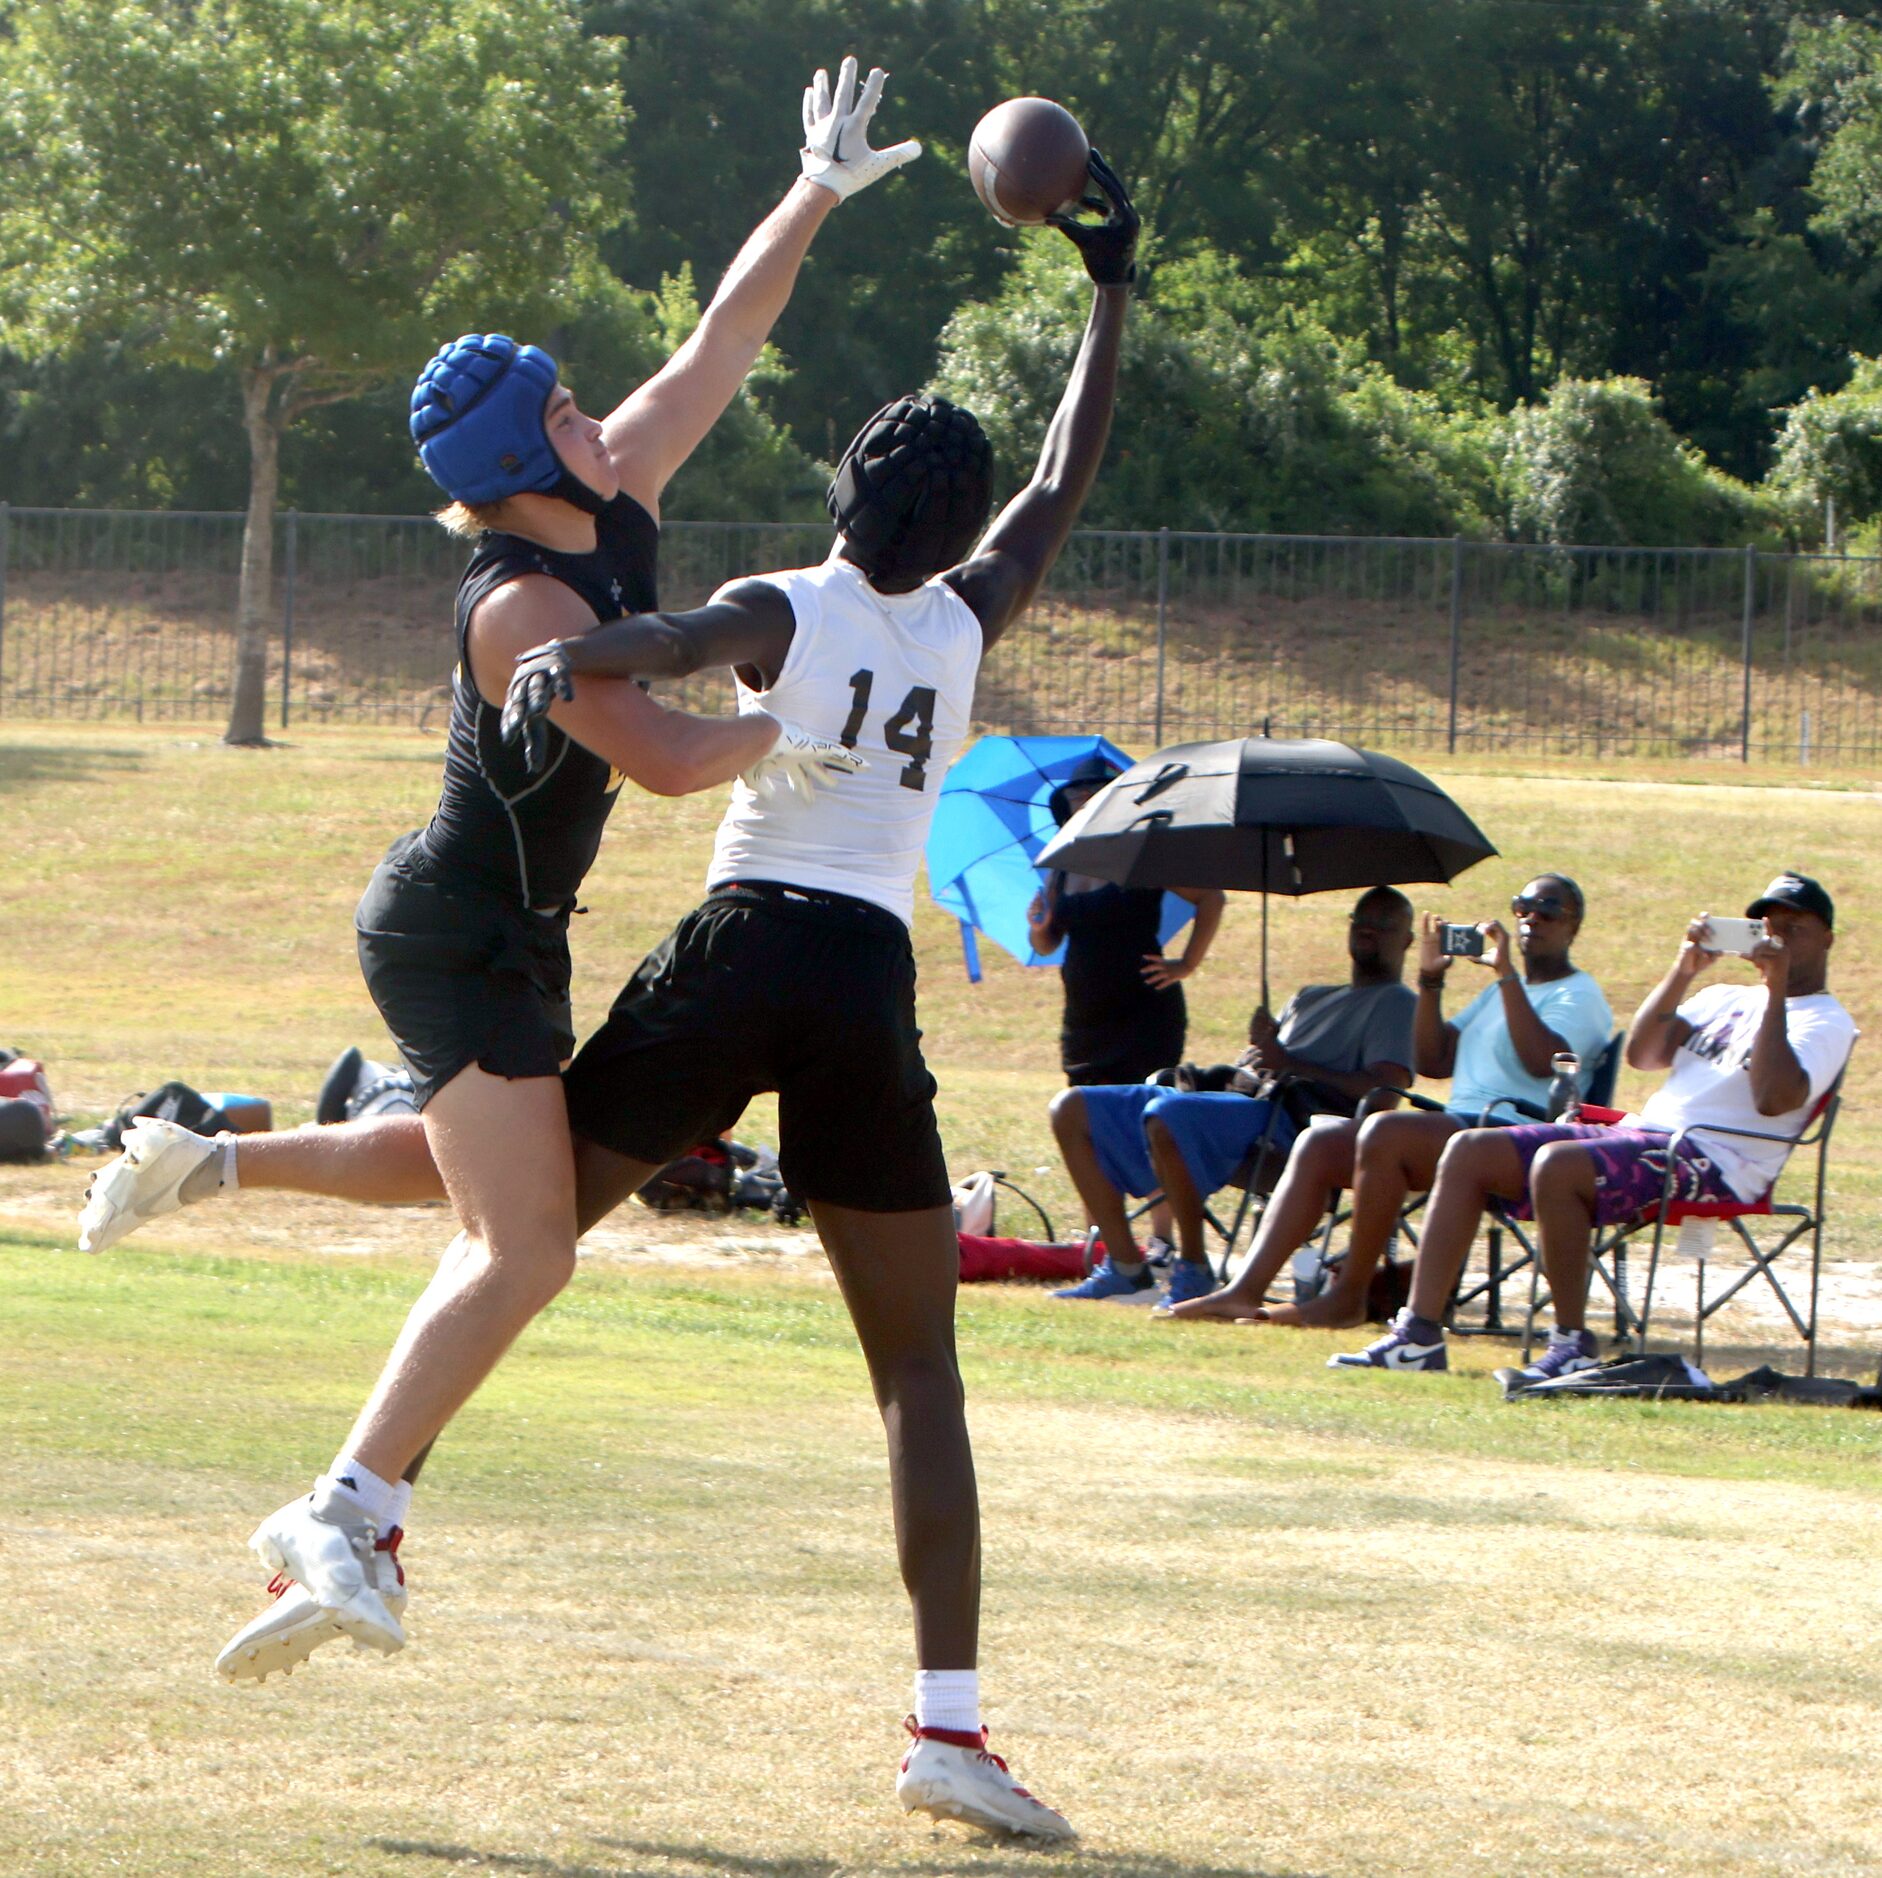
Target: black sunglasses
[(1543, 906)]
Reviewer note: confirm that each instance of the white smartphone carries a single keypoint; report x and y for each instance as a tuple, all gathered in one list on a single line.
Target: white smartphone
[(1737, 936)]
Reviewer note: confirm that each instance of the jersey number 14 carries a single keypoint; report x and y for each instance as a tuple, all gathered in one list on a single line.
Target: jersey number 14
[(909, 733)]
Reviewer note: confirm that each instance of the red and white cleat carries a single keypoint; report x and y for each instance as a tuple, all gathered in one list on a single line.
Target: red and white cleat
[(294, 1626), (951, 1775)]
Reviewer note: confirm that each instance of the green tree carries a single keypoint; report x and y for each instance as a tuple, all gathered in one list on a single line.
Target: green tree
[(1830, 447), (303, 195)]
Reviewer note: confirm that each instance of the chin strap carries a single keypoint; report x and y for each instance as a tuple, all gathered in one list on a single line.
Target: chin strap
[(568, 487)]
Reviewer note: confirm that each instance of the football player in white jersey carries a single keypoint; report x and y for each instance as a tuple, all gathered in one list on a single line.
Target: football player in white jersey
[(796, 973)]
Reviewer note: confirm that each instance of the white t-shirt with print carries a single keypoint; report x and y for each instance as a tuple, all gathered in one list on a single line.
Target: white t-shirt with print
[(1710, 1081)]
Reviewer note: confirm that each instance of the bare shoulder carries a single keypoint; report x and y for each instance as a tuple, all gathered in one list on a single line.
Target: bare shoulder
[(993, 586), (517, 616)]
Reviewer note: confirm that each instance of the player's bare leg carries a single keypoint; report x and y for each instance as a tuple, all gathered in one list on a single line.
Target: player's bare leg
[(382, 1160), (515, 1252), (898, 1273), (297, 1623)]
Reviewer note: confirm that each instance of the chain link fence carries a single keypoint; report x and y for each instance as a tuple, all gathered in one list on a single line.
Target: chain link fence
[(1153, 637)]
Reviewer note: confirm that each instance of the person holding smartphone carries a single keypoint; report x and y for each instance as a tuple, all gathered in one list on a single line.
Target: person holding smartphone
[(1747, 1064), (1496, 1051)]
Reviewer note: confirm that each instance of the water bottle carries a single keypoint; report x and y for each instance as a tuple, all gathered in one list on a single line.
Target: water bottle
[(1564, 1086)]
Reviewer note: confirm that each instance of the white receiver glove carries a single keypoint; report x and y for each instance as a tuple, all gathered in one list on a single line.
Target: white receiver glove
[(836, 150), (799, 763)]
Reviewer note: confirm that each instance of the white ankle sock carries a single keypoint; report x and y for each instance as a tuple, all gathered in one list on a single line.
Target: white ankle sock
[(229, 1180), (948, 1698), (401, 1502), (376, 1498)]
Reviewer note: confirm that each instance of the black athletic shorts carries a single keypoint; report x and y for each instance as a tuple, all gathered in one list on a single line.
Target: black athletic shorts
[(462, 974), (767, 987)]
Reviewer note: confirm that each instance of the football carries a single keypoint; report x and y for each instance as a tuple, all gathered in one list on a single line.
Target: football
[(1027, 159)]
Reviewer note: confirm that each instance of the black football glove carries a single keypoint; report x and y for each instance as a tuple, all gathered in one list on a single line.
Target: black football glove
[(1109, 247), (542, 676)]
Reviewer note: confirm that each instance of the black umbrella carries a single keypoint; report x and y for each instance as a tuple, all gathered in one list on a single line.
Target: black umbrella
[(1271, 815)]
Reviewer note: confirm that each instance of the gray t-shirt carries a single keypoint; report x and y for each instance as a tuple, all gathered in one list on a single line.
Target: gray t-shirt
[(1349, 1027)]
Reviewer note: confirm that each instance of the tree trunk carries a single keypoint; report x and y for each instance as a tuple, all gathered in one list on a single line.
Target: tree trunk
[(254, 608)]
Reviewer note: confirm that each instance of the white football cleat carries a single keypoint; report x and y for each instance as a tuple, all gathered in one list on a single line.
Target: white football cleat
[(950, 1775), (143, 1183), (293, 1627), (326, 1544)]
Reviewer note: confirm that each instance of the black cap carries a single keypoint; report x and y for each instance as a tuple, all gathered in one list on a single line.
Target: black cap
[(1795, 890), (1096, 769)]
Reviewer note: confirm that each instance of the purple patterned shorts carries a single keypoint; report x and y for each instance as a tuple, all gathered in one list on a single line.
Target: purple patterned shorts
[(1629, 1167)]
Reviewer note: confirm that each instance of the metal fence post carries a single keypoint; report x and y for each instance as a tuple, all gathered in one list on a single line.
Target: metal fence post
[(287, 610), (1163, 608), (1457, 632), (6, 543), (1751, 607)]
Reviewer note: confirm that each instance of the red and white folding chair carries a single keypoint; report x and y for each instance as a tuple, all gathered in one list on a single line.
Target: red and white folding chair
[(1793, 1223)]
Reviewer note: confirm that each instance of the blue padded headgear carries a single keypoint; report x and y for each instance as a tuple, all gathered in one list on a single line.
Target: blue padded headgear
[(477, 418)]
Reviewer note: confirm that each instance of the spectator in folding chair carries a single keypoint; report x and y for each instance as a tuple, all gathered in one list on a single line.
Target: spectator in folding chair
[(1756, 1057), (1496, 1051), (1332, 1046)]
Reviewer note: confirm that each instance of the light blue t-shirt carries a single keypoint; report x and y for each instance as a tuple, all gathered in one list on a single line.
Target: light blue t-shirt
[(1487, 1065)]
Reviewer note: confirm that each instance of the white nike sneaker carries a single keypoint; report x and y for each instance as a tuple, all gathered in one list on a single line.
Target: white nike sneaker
[(951, 1775), (142, 1183), (293, 1627), (325, 1544)]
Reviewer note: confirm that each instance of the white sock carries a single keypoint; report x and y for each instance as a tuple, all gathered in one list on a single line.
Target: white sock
[(229, 1180), (401, 1502), (376, 1498), (948, 1698)]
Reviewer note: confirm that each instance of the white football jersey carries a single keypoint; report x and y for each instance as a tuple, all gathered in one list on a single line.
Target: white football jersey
[(891, 675)]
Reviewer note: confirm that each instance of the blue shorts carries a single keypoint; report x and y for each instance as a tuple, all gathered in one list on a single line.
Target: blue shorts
[(1214, 1134)]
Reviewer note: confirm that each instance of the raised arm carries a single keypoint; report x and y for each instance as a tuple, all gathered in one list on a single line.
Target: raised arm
[(1434, 1042), (1027, 535), (1654, 1037), (661, 423)]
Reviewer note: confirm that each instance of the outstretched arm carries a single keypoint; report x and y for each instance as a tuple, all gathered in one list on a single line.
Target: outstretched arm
[(749, 626), (1027, 535), (663, 421), (667, 752)]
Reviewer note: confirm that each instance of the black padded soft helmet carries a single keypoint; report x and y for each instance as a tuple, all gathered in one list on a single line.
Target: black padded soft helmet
[(913, 490)]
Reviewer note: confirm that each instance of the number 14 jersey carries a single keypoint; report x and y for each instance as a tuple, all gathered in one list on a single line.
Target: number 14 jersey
[(892, 676)]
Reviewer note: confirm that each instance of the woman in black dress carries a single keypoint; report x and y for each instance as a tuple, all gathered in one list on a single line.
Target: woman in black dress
[(1125, 1016)]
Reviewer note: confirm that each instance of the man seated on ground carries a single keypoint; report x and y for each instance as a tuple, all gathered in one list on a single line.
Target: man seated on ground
[(1755, 1057), (1336, 1044), (1496, 1050)]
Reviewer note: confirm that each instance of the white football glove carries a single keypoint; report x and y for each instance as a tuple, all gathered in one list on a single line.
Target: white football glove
[(799, 764), (836, 150)]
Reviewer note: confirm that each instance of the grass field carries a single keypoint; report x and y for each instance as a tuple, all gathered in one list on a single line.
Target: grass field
[(1244, 1616)]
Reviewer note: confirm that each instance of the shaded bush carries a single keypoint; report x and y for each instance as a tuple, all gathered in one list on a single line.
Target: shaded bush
[(1595, 462), (1221, 424)]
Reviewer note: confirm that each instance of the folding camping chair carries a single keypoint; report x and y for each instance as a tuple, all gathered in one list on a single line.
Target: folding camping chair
[(1794, 1223), (1503, 1111), (1496, 1274)]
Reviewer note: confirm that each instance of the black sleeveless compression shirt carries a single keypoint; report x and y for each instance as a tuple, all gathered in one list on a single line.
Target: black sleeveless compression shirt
[(534, 837)]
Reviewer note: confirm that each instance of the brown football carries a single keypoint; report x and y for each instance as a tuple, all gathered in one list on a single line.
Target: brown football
[(1027, 158)]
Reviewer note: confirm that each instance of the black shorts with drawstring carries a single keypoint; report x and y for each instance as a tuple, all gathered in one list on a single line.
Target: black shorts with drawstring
[(461, 974), (771, 987)]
